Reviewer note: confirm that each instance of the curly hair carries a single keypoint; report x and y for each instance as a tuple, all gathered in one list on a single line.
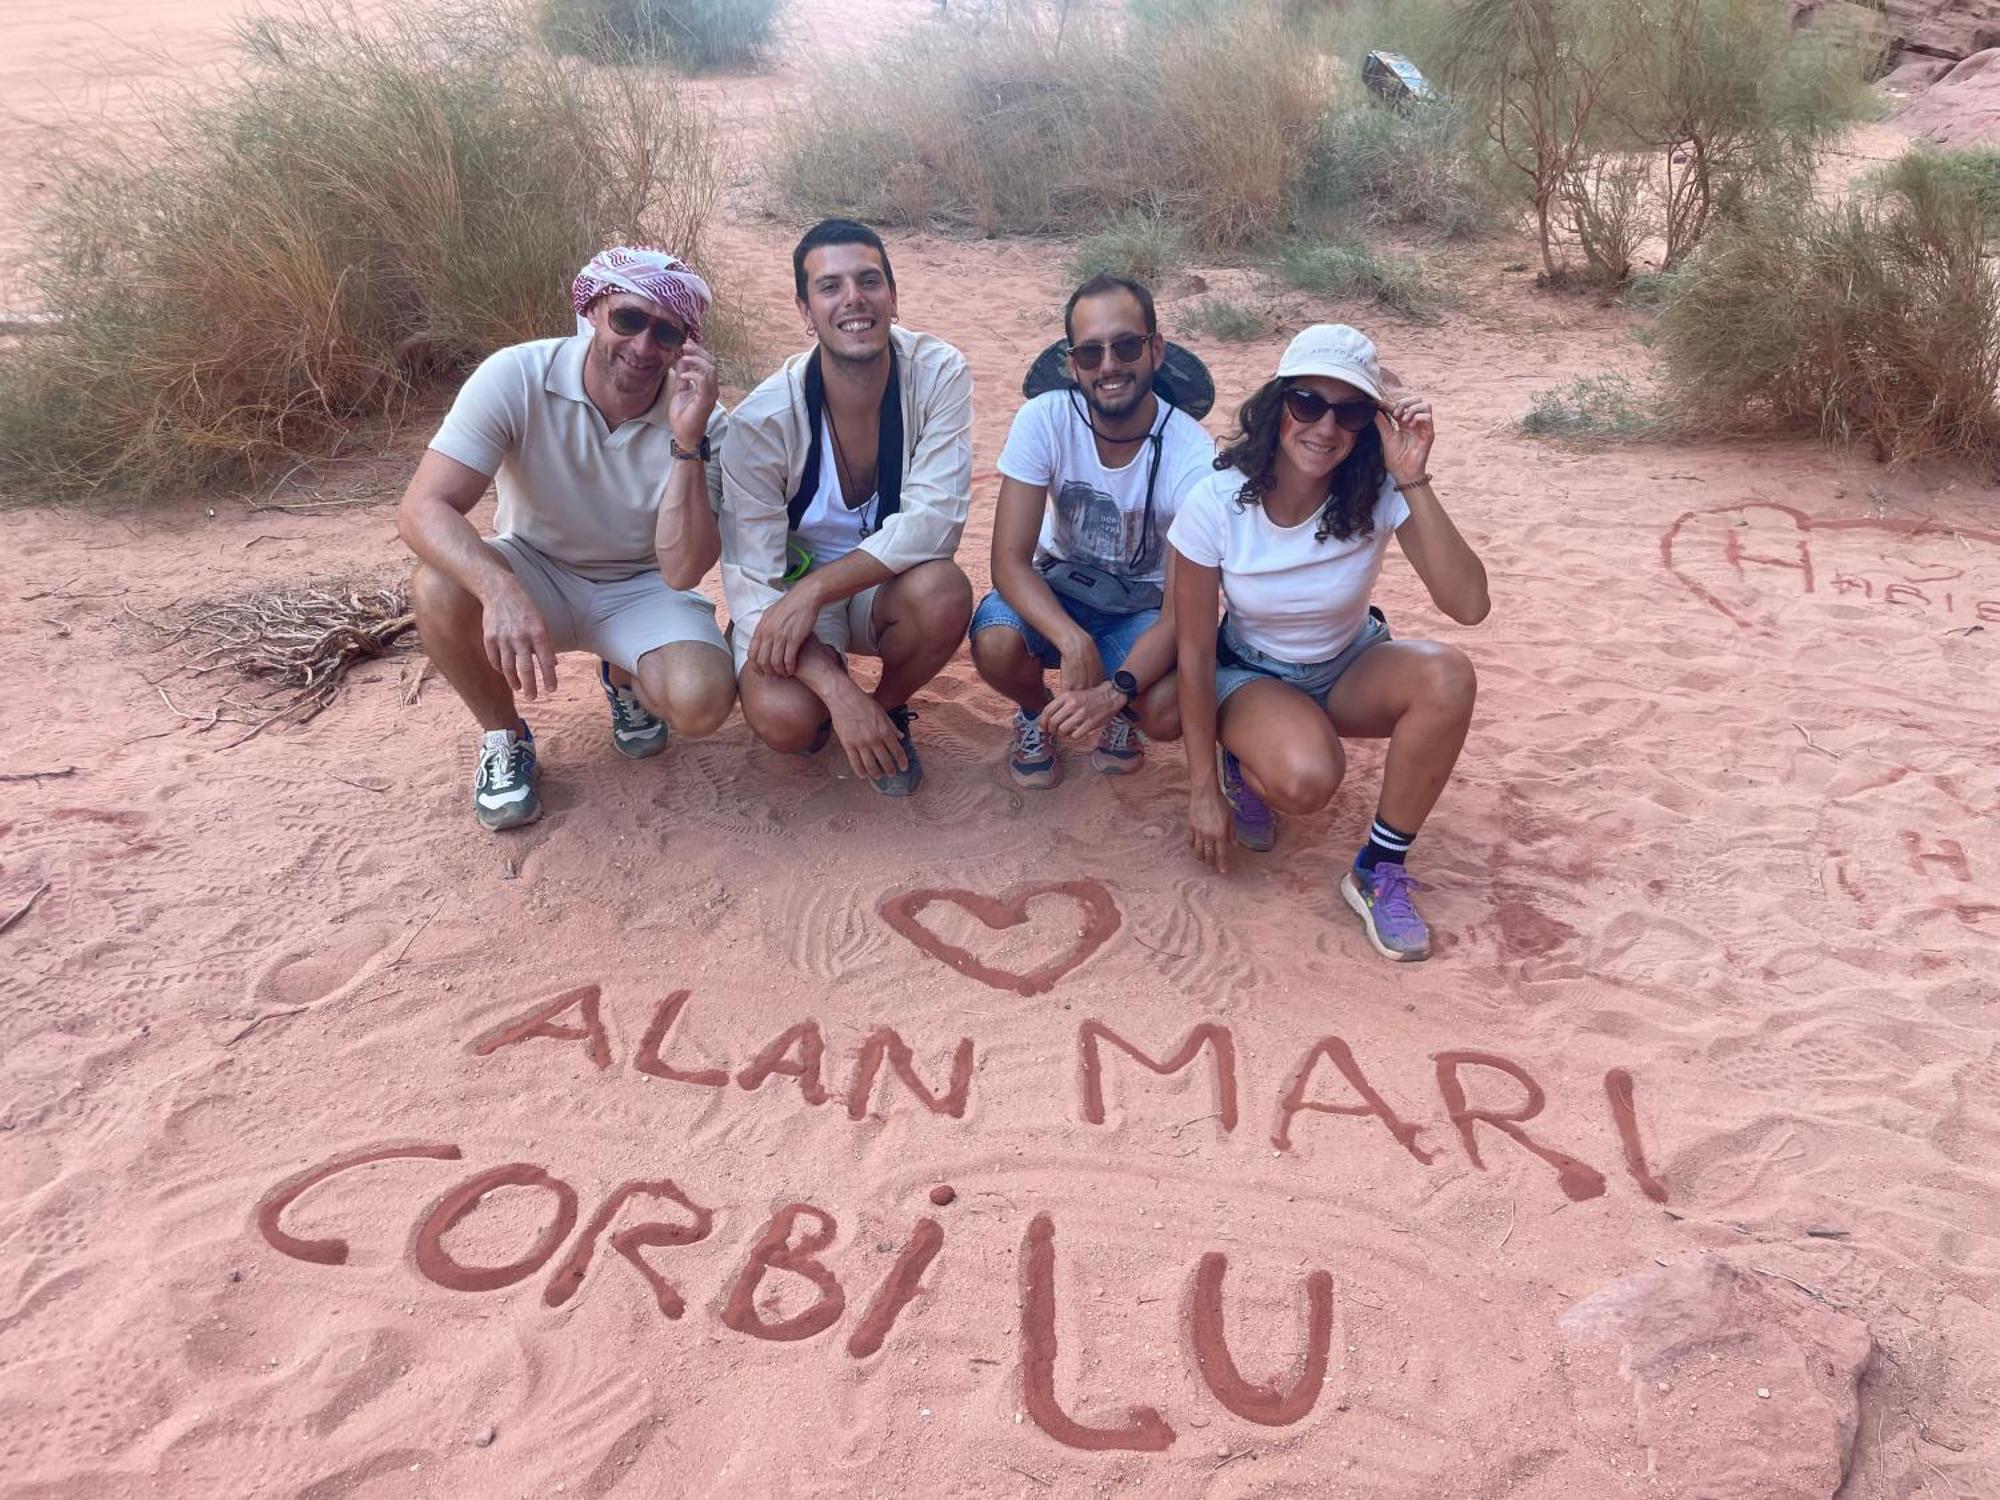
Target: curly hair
[(1253, 452)]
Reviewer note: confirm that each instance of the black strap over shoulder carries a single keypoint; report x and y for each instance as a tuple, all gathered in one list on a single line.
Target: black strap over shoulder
[(888, 443)]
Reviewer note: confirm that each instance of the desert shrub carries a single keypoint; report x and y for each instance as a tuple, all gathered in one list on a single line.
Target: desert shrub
[(1873, 320), (1607, 405), (1418, 166), (1604, 206), (696, 35), (1354, 270), (1038, 123), (1972, 174), (357, 214), (1231, 322), (1142, 246)]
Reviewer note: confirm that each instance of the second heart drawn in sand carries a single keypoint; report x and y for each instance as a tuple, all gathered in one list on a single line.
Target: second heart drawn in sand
[(1100, 920)]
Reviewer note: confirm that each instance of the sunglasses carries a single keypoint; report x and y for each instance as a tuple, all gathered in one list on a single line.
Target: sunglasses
[(1126, 349), (630, 322), (1307, 407)]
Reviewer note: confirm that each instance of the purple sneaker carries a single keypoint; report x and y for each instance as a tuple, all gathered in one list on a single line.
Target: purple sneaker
[(1256, 824), (1381, 897)]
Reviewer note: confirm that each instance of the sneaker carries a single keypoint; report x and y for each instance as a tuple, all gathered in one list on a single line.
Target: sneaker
[(635, 733), (1033, 762), (904, 782), (1119, 750), (503, 792), (1256, 824), (1381, 897)]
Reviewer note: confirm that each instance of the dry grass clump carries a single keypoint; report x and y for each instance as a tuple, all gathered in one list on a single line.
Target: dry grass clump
[(1142, 246), (1875, 320), (1357, 271), (694, 35), (1045, 122), (358, 213), (1230, 321), (1422, 166)]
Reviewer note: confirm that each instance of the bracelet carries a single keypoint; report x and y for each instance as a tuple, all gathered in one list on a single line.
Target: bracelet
[(1421, 479)]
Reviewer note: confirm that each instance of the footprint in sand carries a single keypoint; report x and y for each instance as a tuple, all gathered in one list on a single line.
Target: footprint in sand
[(317, 971)]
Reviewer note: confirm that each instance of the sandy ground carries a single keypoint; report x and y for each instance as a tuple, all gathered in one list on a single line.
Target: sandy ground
[(1727, 822)]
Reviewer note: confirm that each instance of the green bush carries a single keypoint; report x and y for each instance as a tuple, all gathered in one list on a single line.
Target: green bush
[(359, 214), (1419, 166), (1048, 124), (1353, 271), (1607, 405), (1231, 322), (1875, 320), (1139, 245), (1972, 174), (695, 35)]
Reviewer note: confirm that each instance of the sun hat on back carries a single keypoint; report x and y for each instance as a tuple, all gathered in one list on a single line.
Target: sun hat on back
[(1337, 352)]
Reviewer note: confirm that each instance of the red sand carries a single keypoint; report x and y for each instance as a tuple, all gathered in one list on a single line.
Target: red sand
[(1717, 877)]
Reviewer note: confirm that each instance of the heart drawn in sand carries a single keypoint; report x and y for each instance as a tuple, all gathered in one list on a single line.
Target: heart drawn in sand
[(1738, 558), (1100, 919)]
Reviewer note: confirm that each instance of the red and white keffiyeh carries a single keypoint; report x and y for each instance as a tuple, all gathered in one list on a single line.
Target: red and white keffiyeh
[(646, 271)]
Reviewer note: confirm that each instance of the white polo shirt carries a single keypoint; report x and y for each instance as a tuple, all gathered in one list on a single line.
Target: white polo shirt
[(569, 486)]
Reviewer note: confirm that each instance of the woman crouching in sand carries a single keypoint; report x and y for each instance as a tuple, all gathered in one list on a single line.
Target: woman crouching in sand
[(1291, 529)]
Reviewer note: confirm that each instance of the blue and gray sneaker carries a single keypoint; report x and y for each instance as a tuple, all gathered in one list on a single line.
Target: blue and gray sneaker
[(635, 733), (1119, 750), (1032, 759), (1381, 898), (904, 782), (503, 791), (1256, 824)]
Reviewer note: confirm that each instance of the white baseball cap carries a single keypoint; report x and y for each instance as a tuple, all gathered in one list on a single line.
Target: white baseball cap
[(1337, 352)]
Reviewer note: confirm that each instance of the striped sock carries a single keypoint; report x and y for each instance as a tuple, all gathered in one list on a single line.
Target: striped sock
[(1385, 846)]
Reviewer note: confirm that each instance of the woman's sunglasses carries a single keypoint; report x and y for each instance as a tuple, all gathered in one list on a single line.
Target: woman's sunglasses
[(1307, 407), (1127, 347), (630, 322)]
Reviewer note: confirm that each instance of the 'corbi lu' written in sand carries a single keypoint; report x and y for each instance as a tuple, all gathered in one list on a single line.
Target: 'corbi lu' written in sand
[(795, 1237)]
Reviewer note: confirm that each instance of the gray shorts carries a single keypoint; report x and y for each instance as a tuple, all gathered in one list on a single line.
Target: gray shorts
[(1313, 678), (620, 620), (847, 625)]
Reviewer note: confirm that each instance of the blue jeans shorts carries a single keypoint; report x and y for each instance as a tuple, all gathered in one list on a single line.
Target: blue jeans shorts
[(1238, 664), (1115, 635)]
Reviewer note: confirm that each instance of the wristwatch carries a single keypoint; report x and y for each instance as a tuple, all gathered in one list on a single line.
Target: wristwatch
[(1126, 683), (674, 447)]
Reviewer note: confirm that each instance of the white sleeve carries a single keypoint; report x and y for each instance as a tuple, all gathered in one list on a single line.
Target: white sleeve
[(1198, 530), (1030, 452), (484, 423), (1391, 509)]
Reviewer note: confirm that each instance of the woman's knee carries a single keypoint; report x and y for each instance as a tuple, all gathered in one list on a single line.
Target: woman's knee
[(1302, 779), (1160, 710), (1446, 680)]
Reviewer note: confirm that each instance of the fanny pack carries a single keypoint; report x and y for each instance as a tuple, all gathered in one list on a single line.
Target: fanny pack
[(1108, 593)]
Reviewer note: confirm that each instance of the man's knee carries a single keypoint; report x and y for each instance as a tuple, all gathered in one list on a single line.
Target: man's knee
[(1160, 710), (691, 692), (440, 601), (934, 601), (791, 722), (1000, 653)]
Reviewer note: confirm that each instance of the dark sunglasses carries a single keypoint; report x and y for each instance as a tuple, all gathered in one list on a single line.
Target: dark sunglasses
[(1307, 407), (630, 322), (1126, 348)]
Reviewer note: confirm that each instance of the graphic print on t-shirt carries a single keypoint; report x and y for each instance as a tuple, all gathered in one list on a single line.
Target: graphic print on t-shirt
[(1091, 529)]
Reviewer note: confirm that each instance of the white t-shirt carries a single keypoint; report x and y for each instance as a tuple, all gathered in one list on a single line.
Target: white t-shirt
[(1290, 596), (831, 528), (571, 487), (1096, 516)]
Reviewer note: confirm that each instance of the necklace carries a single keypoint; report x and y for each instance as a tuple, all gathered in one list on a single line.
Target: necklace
[(850, 482)]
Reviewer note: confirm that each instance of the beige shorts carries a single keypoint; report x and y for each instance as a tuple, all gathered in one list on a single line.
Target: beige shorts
[(847, 625), (620, 620)]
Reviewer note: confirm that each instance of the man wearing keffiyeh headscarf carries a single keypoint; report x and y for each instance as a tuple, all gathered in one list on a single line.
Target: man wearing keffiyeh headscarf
[(600, 446)]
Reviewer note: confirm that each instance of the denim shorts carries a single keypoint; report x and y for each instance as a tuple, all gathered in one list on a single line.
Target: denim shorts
[(1313, 678), (1115, 635)]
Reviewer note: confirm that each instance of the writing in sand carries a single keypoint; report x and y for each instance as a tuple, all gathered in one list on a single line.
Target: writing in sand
[(794, 1070)]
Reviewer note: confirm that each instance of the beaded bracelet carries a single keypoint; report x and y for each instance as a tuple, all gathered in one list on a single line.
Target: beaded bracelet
[(1420, 479)]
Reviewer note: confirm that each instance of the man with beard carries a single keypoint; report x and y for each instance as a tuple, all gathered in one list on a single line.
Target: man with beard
[(1091, 477), (599, 445), (846, 478)]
